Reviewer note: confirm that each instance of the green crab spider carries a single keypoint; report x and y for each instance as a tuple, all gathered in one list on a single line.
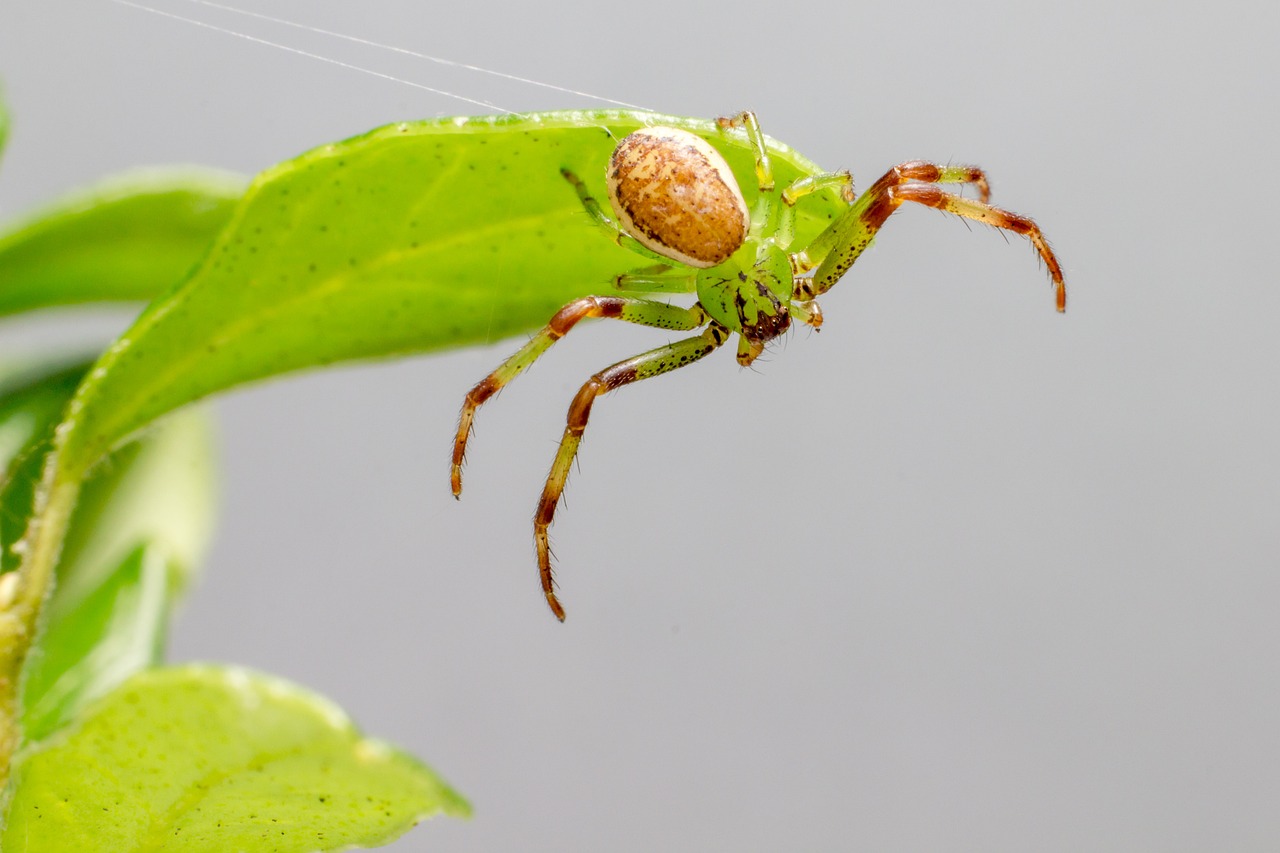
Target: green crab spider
[(677, 202)]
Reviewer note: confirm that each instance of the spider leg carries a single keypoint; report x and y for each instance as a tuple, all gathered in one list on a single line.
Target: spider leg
[(652, 363), (662, 278), (747, 121), (800, 187), (807, 311), (596, 212), (835, 249), (782, 228), (641, 311)]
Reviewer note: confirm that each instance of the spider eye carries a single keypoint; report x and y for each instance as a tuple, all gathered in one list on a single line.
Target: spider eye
[(676, 194)]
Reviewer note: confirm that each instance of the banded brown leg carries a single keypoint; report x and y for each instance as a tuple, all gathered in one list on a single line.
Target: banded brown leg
[(652, 363), (641, 311), (835, 249), (931, 196)]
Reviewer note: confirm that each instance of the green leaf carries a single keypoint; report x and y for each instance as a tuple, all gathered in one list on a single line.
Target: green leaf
[(31, 404), (204, 758), (4, 122), (96, 643), (413, 237), (159, 491), (137, 533), (128, 238)]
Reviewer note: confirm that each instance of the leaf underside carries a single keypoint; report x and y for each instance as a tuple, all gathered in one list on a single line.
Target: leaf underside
[(411, 238)]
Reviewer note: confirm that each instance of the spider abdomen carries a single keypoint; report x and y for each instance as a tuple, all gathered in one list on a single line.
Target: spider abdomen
[(676, 194)]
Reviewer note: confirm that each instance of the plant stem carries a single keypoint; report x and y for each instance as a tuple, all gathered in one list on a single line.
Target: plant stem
[(20, 619)]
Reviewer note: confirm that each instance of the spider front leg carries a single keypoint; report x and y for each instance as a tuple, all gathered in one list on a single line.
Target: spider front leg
[(640, 311), (653, 363), (835, 249)]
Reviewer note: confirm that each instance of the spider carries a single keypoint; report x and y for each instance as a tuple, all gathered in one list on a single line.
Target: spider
[(676, 202)]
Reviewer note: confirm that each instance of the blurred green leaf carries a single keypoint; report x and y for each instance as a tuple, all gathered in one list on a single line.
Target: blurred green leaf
[(137, 535), (138, 531), (4, 122), (96, 643), (159, 491), (413, 237), (203, 758), (128, 238), (32, 400)]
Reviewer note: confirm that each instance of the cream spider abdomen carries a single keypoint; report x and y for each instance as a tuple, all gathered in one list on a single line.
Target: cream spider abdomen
[(676, 195)]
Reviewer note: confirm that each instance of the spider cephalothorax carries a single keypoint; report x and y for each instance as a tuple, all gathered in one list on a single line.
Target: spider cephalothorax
[(677, 202)]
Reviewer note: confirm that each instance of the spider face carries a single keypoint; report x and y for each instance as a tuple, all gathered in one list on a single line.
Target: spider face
[(750, 295)]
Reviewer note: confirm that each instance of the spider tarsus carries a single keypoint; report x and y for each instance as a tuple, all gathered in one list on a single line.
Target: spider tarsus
[(555, 606), (543, 545)]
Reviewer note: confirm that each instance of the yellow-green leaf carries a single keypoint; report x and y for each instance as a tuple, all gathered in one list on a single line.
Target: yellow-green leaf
[(128, 238), (138, 532), (413, 237), (204, 758)]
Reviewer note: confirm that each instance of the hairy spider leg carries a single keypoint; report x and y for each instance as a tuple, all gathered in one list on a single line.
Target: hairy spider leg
[(835, 249), (655, 362), (913, 170), (643, 312), (931, 196)]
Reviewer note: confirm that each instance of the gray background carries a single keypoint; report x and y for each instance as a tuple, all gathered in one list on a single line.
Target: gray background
[(957, 573)]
